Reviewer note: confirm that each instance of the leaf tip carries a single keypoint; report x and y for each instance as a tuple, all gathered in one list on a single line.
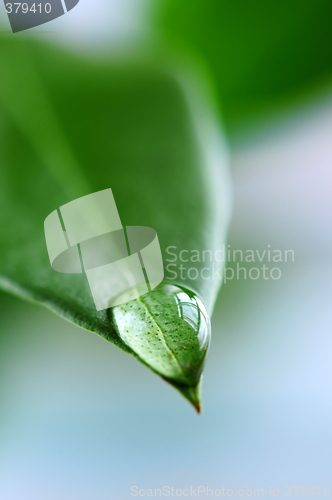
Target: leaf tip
[(191, 393)]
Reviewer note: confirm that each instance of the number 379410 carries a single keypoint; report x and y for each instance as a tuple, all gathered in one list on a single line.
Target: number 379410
[(15, 8), (303, 491)]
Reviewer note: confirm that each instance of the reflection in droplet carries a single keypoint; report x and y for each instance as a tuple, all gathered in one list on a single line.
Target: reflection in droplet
[(192, 310)]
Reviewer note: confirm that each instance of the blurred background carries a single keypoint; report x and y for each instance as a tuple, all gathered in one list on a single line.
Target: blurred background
[(80, 419)]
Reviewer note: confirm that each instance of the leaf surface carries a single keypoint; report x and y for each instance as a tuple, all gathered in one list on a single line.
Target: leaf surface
[(70, 127)]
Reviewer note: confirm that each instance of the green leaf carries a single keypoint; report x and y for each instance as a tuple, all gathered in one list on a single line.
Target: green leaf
[(70, 127), (169, 329), (262, 55)]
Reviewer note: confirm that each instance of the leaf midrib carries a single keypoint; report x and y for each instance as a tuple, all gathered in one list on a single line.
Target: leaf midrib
[(44, 131), (162, 333)]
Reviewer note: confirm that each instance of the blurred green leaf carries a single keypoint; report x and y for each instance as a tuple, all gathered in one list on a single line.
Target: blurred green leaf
[(70, 127), (261, 54)]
